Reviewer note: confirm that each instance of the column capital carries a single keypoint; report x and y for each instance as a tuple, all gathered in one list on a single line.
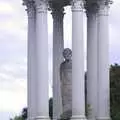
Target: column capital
[(57, 10), (57, 13), (77, 5), (91, 9), (30, 4), (103, 7), (41, 6)]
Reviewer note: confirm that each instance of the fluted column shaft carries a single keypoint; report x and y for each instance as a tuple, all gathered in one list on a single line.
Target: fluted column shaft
[(92, 61), (31, 61), (58, 46), (41, 61), (103, 63), (78, 83)]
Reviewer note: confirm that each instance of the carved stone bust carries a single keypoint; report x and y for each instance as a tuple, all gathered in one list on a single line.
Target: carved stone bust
[(66, 83)]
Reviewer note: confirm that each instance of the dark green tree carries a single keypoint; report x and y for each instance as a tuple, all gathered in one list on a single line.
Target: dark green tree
[(17, 118), (22, 116), (24, 113), (51, 108), (115, 91)]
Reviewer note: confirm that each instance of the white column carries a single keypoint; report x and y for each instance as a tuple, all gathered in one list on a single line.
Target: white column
[(91, 62), (103, 63), (41, 61), (58, 46), (31, 59), (78, 82)]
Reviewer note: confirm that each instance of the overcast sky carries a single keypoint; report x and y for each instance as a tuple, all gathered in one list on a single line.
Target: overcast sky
[(13, 52)]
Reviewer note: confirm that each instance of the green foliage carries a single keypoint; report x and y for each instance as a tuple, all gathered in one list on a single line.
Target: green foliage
[(23, 115), (51, 108), (115, 91), (17, 118)]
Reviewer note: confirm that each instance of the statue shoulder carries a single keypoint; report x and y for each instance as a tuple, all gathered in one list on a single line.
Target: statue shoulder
[(66, 65)]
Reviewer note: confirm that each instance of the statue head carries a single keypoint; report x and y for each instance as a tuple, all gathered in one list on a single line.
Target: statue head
[(67, 54)]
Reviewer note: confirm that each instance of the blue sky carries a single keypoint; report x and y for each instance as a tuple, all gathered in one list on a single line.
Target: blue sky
[(13, 52)]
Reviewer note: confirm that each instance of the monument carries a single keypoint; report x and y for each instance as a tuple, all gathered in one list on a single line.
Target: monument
[(97, 12), (66, 84)]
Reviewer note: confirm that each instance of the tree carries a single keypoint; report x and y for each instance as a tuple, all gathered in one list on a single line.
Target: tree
[(51, 108), (22, 116), (17, 118), (115, 91), (24, 113)]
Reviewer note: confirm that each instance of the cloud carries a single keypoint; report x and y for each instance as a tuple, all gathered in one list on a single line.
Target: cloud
[(114, 19), (13, 95), (13, 63), (13, 51), (6, 115), (12, 87)]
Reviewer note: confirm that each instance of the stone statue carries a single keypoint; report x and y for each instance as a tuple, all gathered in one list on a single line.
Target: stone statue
[(66, 84)]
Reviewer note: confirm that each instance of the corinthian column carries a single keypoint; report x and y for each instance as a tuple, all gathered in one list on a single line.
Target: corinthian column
[(58, 46), (103, 62), (31, 59), (92, 61), (41, 61), (78, 82)]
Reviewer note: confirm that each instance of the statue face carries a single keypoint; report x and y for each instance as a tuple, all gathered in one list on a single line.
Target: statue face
[(67, 54)]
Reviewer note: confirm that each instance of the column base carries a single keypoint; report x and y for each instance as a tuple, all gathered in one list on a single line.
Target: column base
[(91, 118), (39, 118), (78, 117), (103, 118), (55, 118)]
